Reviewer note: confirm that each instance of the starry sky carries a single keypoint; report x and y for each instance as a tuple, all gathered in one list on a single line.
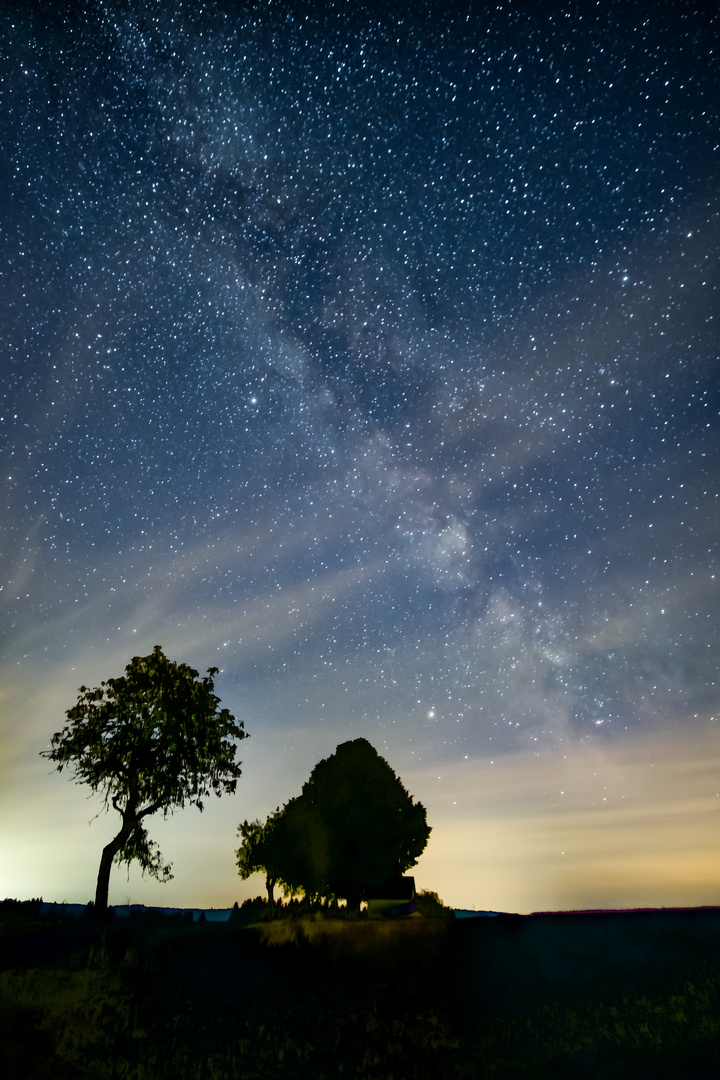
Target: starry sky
[(370, 353)]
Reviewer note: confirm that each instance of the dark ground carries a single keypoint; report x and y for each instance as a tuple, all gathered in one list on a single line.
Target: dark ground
[(604, 995)]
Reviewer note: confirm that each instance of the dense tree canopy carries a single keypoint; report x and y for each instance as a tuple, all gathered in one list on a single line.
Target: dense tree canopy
[(152, 740), (285, 848), (372, 830), (353, 826)]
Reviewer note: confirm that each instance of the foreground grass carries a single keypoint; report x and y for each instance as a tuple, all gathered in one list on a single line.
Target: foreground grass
[(372, 1003), (80, 1024), (672, 1035)]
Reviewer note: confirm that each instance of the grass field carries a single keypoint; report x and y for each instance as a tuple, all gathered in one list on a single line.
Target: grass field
[(628, 995)]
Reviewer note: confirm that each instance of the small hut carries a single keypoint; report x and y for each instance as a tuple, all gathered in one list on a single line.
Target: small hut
[(395, 897)]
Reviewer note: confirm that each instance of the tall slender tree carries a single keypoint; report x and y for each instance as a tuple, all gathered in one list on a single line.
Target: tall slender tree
[(150, 741)]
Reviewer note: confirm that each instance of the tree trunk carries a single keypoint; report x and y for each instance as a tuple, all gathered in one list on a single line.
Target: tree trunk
[(353, 902), (98, 947), (270, 885)]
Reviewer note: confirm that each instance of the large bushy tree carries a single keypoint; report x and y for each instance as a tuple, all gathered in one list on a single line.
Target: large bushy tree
[(352, 828), (372, 828), (152, 740)]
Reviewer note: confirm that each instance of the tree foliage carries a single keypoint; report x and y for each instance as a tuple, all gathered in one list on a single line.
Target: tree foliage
[(258, 851), (353, 826), (154, 739), (371, 829), (280, 848)]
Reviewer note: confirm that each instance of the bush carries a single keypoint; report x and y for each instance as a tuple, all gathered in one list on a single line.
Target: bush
[(430, 905)]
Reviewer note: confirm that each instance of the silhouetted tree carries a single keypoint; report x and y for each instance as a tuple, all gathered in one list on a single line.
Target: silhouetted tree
[(373, 828), (152, 740), (301, 850), (353, 827), (256, 852), (284, 848)]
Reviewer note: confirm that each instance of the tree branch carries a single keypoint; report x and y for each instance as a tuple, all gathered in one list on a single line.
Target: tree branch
[(157, 805)]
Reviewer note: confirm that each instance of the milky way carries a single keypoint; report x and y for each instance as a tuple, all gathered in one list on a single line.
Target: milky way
[(370, 355)]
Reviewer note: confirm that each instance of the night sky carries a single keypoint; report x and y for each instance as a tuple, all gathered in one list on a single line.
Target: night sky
[(370, 353)]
